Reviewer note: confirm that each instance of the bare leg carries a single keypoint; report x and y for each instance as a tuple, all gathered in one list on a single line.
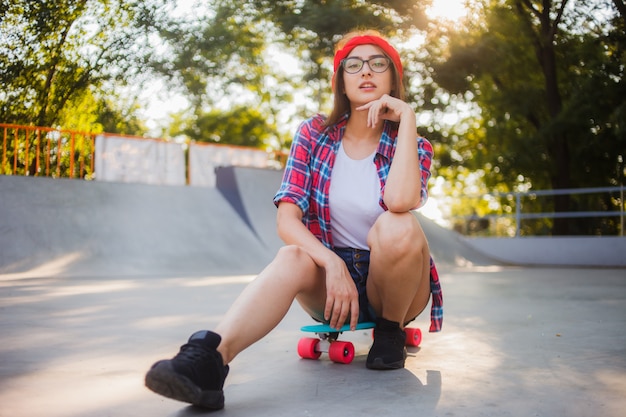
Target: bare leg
[(398, 284), (265, 301), (197, 373)]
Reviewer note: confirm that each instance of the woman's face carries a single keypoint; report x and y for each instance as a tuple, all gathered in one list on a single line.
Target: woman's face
[(366, 85)]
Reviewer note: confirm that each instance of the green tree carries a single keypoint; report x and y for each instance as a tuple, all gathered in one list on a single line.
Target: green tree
[(116, 118), (54, 53), (217, 59), (549, 82), (221, 55), (239, 126)]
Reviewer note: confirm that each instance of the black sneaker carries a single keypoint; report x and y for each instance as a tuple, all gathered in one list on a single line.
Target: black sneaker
[(195, 375), (388, 350)]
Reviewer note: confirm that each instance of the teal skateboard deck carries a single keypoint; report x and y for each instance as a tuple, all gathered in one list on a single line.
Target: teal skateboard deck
[(340, 351), (325, 328)]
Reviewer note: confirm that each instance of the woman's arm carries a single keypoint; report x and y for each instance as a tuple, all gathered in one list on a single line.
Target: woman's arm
[(403, 187)]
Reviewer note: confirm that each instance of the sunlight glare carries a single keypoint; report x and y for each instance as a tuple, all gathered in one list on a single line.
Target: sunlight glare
[(432, 211), (451, 10)]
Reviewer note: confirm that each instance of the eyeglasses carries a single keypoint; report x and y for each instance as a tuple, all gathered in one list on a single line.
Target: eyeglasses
[(352, 65)]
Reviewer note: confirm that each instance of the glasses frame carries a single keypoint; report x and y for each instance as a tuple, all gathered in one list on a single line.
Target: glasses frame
[(366, 61)]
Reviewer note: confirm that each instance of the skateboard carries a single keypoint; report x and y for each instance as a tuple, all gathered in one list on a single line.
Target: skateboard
[(340, 351)]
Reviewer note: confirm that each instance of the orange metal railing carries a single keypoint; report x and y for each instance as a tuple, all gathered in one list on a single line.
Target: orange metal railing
[(58, 153), (48, 152)]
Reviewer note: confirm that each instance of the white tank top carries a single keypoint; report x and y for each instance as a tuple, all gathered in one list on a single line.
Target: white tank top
[(354, 200)]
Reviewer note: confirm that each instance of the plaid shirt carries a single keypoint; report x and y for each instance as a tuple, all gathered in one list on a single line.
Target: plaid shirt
[(306, 183)]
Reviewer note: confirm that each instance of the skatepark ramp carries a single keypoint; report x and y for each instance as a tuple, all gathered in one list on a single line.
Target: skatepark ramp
[(72, 227), (63, 227), (68, 227)]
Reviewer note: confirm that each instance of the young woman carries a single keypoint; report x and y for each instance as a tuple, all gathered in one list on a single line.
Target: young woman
[(354, 249)]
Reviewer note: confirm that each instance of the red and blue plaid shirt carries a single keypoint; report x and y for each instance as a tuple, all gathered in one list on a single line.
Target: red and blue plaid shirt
[(306, 183)]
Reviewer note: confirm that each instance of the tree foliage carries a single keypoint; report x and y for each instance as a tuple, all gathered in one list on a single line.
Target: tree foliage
[(239, 126), (55, 55), (549, 82), (223, 54)]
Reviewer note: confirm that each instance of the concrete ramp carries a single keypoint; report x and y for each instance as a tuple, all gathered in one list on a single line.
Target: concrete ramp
[(449, 248), (66, 227), (250, 191), (72, 227)]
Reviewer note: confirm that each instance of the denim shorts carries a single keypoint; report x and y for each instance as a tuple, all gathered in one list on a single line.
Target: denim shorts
[(358, 263)]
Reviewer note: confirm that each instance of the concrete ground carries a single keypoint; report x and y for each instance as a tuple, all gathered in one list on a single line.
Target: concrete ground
[(76, 342)]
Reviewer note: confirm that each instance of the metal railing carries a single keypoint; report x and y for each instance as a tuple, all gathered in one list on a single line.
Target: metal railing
[(519, 215), (42, 151)]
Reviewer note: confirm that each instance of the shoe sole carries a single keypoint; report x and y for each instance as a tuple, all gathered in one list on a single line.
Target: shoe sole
[(380, 365), (163, 380)]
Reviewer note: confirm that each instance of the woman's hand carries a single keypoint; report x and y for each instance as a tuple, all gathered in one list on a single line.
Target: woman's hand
[(385, 108), (342, 297)]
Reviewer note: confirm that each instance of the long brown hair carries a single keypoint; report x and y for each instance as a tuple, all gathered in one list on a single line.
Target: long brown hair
[(341, 103)]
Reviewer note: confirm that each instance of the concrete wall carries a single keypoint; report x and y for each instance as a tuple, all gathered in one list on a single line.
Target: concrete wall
[(557, 251)]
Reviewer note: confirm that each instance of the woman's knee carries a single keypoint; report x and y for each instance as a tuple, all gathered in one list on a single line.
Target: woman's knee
[(295, 261), (291, 254), (305, 276), (397, 232)]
